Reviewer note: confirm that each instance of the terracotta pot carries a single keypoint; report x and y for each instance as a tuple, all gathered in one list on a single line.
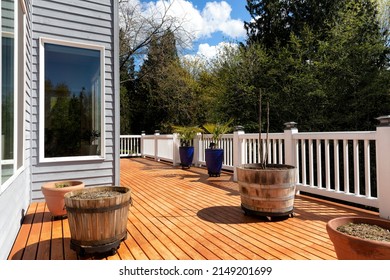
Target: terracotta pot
[(54, 195), (268, 192), (348, 247)]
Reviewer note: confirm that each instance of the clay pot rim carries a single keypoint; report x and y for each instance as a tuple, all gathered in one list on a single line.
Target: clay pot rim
[(332, 225), (52, 185)]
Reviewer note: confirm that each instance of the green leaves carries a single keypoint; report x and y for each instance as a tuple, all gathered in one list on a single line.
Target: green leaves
[(218, 129), (187, 133)]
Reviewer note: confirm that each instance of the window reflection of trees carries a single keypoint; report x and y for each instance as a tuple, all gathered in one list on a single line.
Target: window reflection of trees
[(68, 122)]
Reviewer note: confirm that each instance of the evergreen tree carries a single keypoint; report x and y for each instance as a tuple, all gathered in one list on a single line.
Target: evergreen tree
[(166, 88), (337, 79), (274, 21), (354, 68)]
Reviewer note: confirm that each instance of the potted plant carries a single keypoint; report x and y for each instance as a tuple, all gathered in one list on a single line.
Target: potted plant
[(360, 238), (213, 154), (97, 218), (266, 189), (54, 193), (186, 149)]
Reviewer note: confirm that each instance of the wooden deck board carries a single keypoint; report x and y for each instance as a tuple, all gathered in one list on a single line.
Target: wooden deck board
[(184, 214)]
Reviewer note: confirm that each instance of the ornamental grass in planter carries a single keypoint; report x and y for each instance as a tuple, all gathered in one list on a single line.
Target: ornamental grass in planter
[(371, 240), (98, 218)]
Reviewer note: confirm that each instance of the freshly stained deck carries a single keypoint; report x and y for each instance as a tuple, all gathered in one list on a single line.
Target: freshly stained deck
[(184, 214)]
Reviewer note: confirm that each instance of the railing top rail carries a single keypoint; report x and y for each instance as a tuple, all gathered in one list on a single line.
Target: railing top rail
[(356, 135), (160, 136), (224, 136), (263, 136), (130, 136)]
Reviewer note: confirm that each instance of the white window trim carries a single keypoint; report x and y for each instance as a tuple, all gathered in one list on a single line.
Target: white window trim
[(18, 86), (42, 41)]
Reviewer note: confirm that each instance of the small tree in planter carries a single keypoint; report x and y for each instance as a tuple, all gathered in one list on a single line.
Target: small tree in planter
[(266, 189), (214, 155), (186, 149)]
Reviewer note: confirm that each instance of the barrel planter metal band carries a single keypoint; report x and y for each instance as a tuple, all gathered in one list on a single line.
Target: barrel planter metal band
[(98, 210)]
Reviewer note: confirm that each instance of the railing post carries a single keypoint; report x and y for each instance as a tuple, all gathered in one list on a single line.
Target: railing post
[(175, 149), (156, 134), (238, 149), (290, 156), (142, 144), (383, 165), (197, 151)]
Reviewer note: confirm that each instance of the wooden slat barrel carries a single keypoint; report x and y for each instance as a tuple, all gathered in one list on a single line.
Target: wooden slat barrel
[(98, 221), (267, 192)]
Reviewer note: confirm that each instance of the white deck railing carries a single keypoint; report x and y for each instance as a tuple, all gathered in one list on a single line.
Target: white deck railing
[(130, 145), (340, 165)]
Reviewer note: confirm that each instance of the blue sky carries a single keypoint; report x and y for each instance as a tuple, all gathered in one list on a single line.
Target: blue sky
[(238, 12), (210, 22)]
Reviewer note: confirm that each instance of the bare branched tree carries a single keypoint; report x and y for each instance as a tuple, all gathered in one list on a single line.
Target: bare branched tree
[(139, 25), (384, 17)]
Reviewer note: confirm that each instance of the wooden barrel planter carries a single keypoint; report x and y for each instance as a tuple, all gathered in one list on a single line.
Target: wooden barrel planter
[(268, 192), (97, 218)]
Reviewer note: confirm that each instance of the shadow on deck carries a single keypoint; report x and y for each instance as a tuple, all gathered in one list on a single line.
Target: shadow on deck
[(183, 214)]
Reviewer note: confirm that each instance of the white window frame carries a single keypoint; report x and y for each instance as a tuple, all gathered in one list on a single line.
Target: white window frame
[(42, 42), (18, 161)]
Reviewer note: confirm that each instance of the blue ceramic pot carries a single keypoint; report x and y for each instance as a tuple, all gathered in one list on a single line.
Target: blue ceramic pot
[(214, 159), (186, 156)]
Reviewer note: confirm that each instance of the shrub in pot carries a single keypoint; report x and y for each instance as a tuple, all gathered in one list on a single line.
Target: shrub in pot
[(186, 149), (214, 155)]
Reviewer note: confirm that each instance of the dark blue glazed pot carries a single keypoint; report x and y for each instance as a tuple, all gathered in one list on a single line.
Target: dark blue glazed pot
[(214, 159), (186, 156)]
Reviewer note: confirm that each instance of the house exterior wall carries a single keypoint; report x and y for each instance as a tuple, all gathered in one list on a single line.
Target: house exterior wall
[(79, 22), (82, 22), (15, 200)]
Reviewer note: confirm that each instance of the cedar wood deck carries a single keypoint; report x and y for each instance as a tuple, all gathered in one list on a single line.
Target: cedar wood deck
[(185, 215)]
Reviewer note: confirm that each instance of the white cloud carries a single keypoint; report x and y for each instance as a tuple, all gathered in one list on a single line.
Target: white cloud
[(207, 52), (215, 17)]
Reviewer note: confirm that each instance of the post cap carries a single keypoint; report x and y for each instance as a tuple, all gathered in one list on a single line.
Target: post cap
[(290, 125), (384, 120), (239, 128)]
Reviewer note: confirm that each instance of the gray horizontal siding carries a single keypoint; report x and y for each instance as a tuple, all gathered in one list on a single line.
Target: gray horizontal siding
[(13, 206), (89, 22), (15, 199)]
